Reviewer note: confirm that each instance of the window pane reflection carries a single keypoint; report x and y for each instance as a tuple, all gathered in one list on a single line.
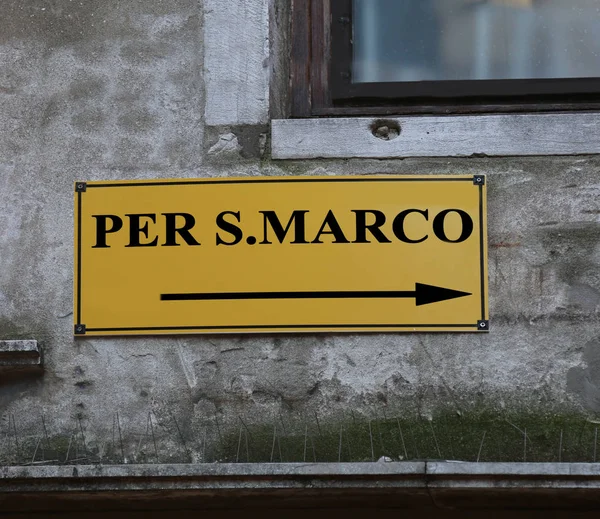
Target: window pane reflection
[(420, 40)]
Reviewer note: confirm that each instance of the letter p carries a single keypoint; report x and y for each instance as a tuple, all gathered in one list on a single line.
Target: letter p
[(102, 228)]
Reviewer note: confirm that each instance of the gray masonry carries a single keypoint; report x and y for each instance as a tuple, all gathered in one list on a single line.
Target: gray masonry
[(147, 89)]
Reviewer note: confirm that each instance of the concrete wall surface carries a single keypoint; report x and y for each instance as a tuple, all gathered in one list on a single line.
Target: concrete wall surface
[(147, 89)]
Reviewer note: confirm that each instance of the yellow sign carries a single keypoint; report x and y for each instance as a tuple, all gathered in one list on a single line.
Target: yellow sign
[(296, 254)]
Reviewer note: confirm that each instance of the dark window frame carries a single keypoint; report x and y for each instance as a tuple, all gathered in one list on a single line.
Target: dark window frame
[(321, 78)]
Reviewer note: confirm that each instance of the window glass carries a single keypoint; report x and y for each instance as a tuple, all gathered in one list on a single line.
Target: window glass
[(431, 40)]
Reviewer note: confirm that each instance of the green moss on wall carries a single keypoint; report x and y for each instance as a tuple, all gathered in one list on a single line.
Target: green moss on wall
[(485, 437), (471, 436)]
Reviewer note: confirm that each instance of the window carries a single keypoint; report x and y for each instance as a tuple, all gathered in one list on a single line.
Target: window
[(444, 56)]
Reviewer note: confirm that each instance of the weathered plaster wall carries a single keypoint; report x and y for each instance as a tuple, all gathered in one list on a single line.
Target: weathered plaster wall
[(134, 89)]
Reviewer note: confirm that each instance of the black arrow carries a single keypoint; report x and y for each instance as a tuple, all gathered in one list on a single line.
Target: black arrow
[(423, 295)]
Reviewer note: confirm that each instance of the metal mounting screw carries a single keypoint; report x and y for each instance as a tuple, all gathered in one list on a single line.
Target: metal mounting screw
[(80, 187), (479, 180), (483, 325), (80, 329)]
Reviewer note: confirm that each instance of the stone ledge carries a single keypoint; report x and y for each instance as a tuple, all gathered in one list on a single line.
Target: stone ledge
[(437, 136), (446, 485), (20, 354)]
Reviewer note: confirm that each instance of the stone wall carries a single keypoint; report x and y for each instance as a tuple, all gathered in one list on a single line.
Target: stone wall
[(134, 89)]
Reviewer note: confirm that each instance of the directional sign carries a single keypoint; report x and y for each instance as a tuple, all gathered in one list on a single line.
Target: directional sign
[(293, 254)]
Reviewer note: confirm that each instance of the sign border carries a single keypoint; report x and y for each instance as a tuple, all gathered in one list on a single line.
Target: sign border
[(482, 325)]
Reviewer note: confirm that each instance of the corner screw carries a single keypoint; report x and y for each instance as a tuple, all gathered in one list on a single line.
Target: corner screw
[(80, 329), (80, 187), (479, 180), (483, 326)]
